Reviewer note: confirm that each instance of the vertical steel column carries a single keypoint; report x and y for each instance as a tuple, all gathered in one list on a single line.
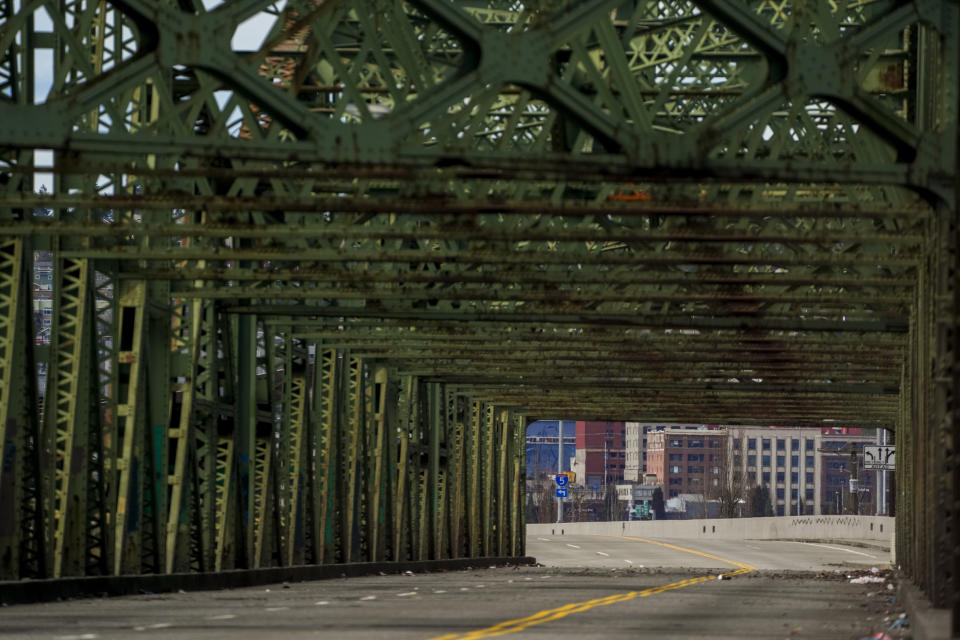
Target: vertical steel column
[(68, 395), (405, 422), (180, 438), (246, 425), (130, 337), (350, 436), (323, 421), (476, 418), (488, 466), (518, 489), (455, 475), (376, 489), (435, 428), (504, 474), (22, 549), (294, 472)]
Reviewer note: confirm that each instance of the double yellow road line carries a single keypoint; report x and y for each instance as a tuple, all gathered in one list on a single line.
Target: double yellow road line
[(549, 615)]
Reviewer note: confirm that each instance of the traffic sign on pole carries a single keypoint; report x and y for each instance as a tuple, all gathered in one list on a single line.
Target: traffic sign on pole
[(881, 457), (561, 493), (562, 479)]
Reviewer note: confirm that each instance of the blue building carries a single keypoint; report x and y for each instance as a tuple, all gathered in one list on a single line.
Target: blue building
[(542, 446)]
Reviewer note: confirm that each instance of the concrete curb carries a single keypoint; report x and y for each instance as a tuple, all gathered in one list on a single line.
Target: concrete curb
[(27, 591), (926, 622)]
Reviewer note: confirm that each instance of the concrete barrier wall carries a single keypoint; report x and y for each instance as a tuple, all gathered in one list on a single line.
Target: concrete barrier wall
[(873, 529)]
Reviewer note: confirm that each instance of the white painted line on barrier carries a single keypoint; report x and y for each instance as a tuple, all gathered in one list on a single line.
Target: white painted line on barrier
[(223, 616), (544, 539), (601, 553), (628, 561), (826, 546), (440, 591), (408, 593), (322, 602), (573, 545), (369, 598), (277, 608)]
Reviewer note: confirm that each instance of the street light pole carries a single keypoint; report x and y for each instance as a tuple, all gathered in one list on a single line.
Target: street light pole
[(559, 466)]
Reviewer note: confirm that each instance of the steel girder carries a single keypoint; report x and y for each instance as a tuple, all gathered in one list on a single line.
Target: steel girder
[(307, 290)]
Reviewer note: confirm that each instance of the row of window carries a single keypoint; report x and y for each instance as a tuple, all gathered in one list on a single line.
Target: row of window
[(675, 468), (713, 443), (781, 461), (695, 457), (781, 443)]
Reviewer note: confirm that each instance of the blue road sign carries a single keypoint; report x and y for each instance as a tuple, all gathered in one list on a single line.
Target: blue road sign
[(561, 493), (561, 479)]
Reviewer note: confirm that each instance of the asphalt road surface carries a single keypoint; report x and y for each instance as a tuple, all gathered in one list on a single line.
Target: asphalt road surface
[(591, 587)]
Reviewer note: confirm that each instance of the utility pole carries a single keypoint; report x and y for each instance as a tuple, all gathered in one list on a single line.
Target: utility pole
[(559, 466)]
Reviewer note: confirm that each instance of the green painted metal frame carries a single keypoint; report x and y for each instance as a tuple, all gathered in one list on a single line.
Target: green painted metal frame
[(308, 292)]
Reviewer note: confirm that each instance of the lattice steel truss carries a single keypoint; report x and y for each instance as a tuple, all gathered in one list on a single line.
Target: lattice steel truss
[(311, 282)]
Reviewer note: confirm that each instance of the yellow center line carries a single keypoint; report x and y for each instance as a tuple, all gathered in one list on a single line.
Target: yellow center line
[(549, 615)]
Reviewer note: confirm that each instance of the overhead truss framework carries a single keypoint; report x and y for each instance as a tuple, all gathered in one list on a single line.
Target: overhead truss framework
[(316, 264)]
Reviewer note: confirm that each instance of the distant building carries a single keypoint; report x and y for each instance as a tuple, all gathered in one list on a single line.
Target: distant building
[(834, 474), (600, 453), (542, 447), (687, 461), (636, 445), (782, 459)]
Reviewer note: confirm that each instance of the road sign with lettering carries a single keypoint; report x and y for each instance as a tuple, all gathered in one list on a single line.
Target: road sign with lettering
[(562, 480), (561, 493), (881, 457)]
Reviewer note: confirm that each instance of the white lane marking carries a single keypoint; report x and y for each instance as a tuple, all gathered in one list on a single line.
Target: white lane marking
[(573, 545), (544, 539), (601, 553), (322, 602), (159, 625), (628, 561), (826, 546), (408, 593), (464, 588), (440, 591), (369, 598), (277, 608), (82, 636), (224, 616), (479, 586)]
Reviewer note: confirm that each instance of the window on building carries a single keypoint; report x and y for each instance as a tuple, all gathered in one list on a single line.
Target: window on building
[(808, 494), (694, 469), (715, 470), (766, 477), (675, 468), (674, 493), (676, 481), (736, 443), (737, 461), (676, 443), (795, 444), (695, 457), (793, 493), (808, 477), (781, 477), (781, 461), (766, 444), (808, 463), (781, 444), (714, 443), (780, 510), (794, 461), (809, 444), (835, 480), (694, 444), (780, 494), (765, 460), (794, 477), (751, 460), (751, 443), (676, 457), (695, 480)]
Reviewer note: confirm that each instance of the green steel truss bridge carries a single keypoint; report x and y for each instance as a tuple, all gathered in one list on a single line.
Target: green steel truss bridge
[(317, 264)]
